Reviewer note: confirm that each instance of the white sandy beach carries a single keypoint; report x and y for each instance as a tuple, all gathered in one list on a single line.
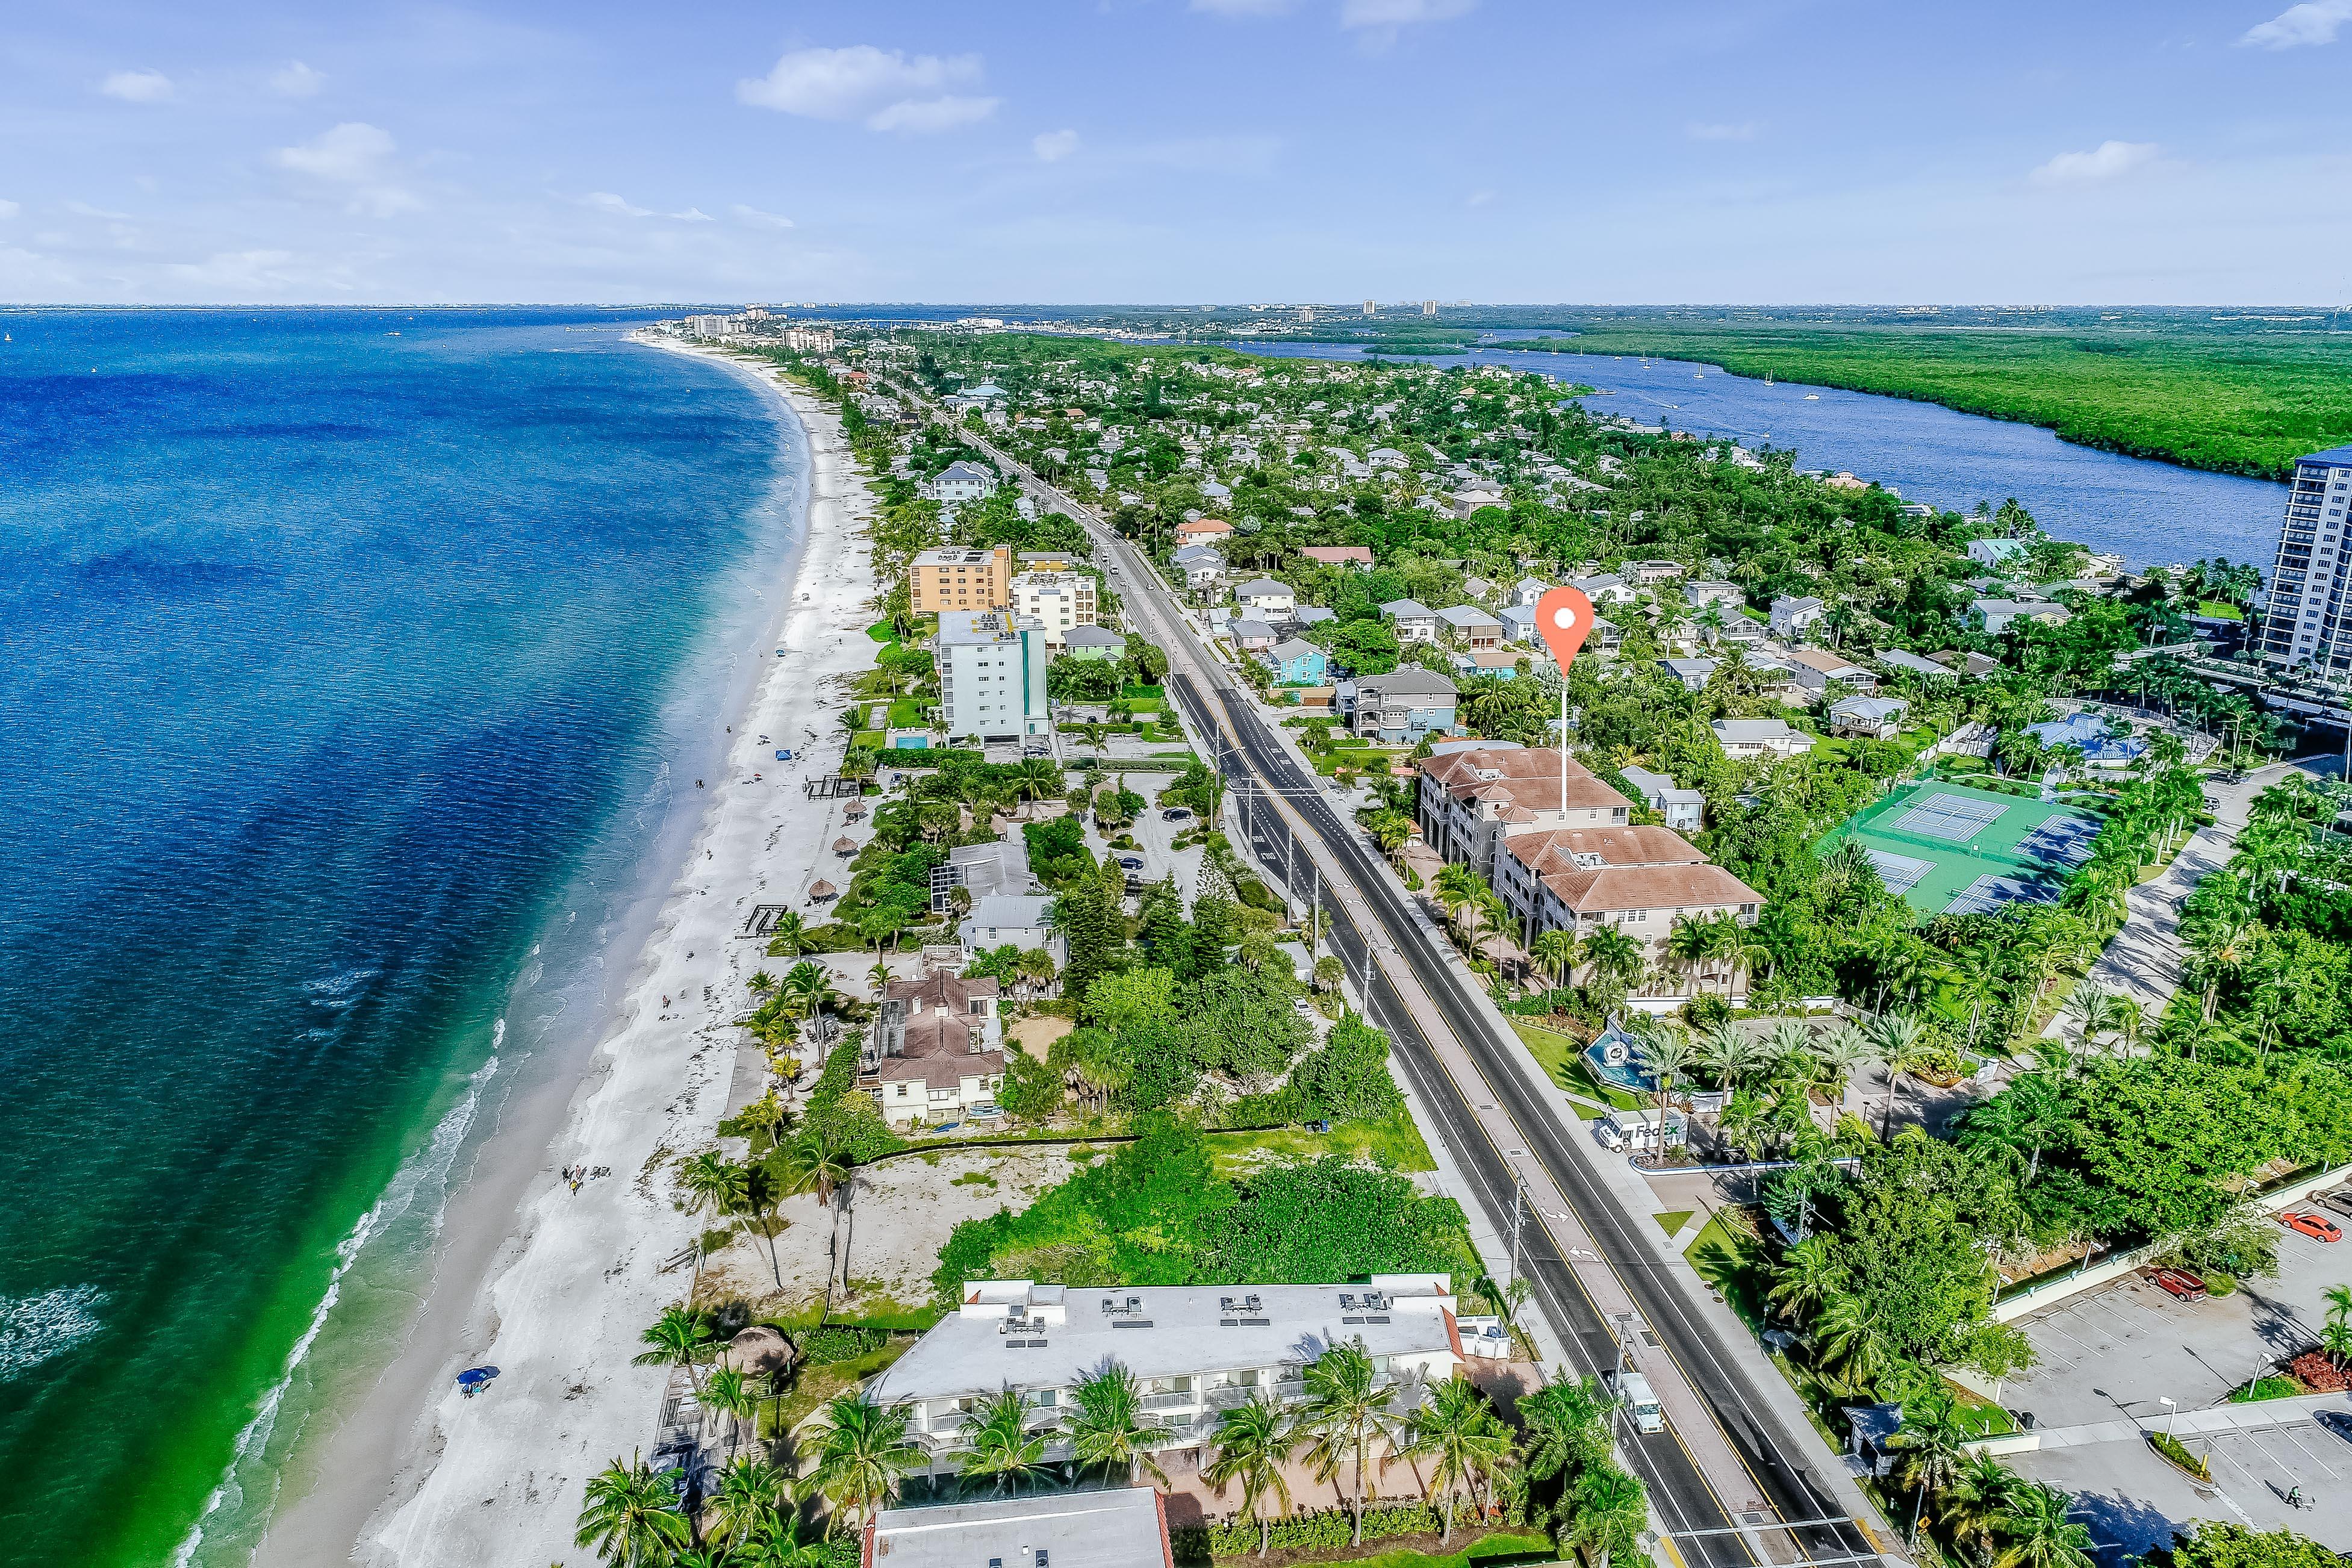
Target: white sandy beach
[(498, 1478)]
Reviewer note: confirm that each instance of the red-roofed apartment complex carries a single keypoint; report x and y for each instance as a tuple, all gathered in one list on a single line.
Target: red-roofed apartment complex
[(1472, 797), (1639, 879)]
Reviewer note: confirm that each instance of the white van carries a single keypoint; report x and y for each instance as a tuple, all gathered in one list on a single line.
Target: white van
[(1640, 1404), (1641, 1131)]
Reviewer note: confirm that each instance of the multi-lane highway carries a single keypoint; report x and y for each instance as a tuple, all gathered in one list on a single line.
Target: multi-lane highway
[(1729, 1482)]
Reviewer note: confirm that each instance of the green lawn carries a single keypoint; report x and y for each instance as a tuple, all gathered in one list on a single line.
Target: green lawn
[(906, 713), (2219, 611), (1563, 1063), (1498, 1551), (1734, 1265), (880, 632), (1672, 1220), (1395, 1141)]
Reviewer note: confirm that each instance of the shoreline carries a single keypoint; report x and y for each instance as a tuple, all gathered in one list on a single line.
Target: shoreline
[(554, 1288)]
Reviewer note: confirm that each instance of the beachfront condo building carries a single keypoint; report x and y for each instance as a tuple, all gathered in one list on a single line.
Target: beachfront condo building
[(1639, 881), (1196, 1350), (1474, 792), (2306, 621), (943, 580), (991, 668), (1058, 601)]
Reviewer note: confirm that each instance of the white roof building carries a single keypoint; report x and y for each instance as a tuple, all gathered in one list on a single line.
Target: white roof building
[(1122, 1529)]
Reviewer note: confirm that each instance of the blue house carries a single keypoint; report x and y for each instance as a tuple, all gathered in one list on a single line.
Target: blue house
[(1295, 662), (1404, 706)]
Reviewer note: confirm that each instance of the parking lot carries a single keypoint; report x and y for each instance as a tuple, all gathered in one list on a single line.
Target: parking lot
[(2122, 1349), (2132, 1501), (1154, 834)]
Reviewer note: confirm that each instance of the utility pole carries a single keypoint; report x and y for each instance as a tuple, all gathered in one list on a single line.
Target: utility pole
[(1518, 1213)]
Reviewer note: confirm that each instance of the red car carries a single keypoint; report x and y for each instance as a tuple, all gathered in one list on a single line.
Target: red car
[(2317, 1226), (2180, 1282)]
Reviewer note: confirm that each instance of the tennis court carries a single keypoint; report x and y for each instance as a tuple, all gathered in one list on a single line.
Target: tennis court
[(1947, 846)]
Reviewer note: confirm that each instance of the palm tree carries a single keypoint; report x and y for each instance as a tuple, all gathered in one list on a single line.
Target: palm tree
[(756, 1200), (1561, 1424), (678, 1338), (1614, 955), (1610, 1512), (998, 1444), (631, 1515), (788, 938), (1972, 1505), (1107, 1428), (1808, 1275), (1789, 1049), (1035, 779), (2036, 1532), (1346, 1412), (1690, 944), (1932, 1441), (762, 982), (1851, 1341), (805, 990), (730, 1392), (751, 1493), (1458, 1432), (861, 1451), (1727, 1051), (816, 1162), (1665, 1056), (713, 1185), (1254, 1441), (878, 977), (1557, 951), (1839, 1051)]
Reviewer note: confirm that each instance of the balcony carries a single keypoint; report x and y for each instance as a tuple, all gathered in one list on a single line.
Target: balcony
[(1174, 1401)]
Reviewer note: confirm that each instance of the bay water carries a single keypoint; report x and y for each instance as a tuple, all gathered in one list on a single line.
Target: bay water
[(351, 667)]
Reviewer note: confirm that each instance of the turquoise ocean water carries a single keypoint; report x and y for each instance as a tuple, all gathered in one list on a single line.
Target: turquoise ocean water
[(346, 682)]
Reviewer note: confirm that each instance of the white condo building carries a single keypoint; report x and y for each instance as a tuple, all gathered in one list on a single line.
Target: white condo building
[(991, 675), (1197, 1351), (2306, 622), (1055, 600)]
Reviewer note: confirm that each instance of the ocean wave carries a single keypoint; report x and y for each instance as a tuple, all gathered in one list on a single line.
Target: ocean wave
[(35, 1329), (339, 990), (430, 1166)]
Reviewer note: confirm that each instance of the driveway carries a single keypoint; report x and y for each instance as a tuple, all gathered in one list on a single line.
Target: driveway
[(2142, 961)]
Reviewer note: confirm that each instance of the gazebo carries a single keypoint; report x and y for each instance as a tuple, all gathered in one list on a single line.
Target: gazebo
[(821, 891)]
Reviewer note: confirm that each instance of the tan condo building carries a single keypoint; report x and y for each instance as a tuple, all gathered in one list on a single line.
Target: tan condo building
[(961, 579), (1638, 879), (1057, 601)]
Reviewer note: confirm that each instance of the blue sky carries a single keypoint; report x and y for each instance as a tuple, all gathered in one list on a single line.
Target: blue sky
[(1179, 151)]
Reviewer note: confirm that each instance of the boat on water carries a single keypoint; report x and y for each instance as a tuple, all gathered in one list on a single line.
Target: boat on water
[(1812, 397)]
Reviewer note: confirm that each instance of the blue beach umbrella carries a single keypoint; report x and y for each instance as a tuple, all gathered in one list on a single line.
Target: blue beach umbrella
[(474, 1377)]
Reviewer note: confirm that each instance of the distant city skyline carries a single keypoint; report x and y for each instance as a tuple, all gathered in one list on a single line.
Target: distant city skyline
[(1799, 151)]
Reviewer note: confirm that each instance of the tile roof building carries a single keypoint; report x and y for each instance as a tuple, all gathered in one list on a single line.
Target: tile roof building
[(1472, 797), (1637, 880), (937, 1049)]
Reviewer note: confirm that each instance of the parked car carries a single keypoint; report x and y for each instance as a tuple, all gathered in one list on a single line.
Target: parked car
[(2317, 1226), (1132, 862), (2339, 1200), (2180, 1282), (1176, 814)]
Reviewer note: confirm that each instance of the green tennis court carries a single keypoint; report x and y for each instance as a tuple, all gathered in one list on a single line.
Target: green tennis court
[(1945, 846)]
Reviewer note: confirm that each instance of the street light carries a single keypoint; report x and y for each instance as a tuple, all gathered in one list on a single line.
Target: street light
[(2170, 1410)]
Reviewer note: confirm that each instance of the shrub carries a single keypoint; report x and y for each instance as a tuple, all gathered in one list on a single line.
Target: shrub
[(2265, 1388), (2172, 1448), (840, 1341), (1328, 1529)]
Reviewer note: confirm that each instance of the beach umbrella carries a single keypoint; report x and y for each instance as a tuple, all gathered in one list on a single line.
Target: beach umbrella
[(475, 1377), (822, 890), (844, 845), (757, 1349)]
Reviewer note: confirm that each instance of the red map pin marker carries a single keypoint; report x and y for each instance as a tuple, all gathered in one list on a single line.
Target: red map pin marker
[(1564, 619)]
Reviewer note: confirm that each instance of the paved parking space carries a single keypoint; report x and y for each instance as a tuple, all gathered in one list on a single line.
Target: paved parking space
[(2119, 1351), (2133, 1501)]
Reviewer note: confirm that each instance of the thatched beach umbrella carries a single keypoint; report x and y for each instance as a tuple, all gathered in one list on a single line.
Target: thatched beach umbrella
[(844, 845), (757, 1351), (822, 890), (854, 812)]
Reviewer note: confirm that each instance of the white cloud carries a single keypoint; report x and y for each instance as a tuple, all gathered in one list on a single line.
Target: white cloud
[(886, 88), (1702, 130), (1054, 146), (755, 216), (297, 80), (605, 201), (1394, 14), (137, 86), (920, 117), (693, 215), (1478, 199), (2315, 22), (83, 209), (2107, 161), (9, 209), (357, 158), (1245, 7)]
